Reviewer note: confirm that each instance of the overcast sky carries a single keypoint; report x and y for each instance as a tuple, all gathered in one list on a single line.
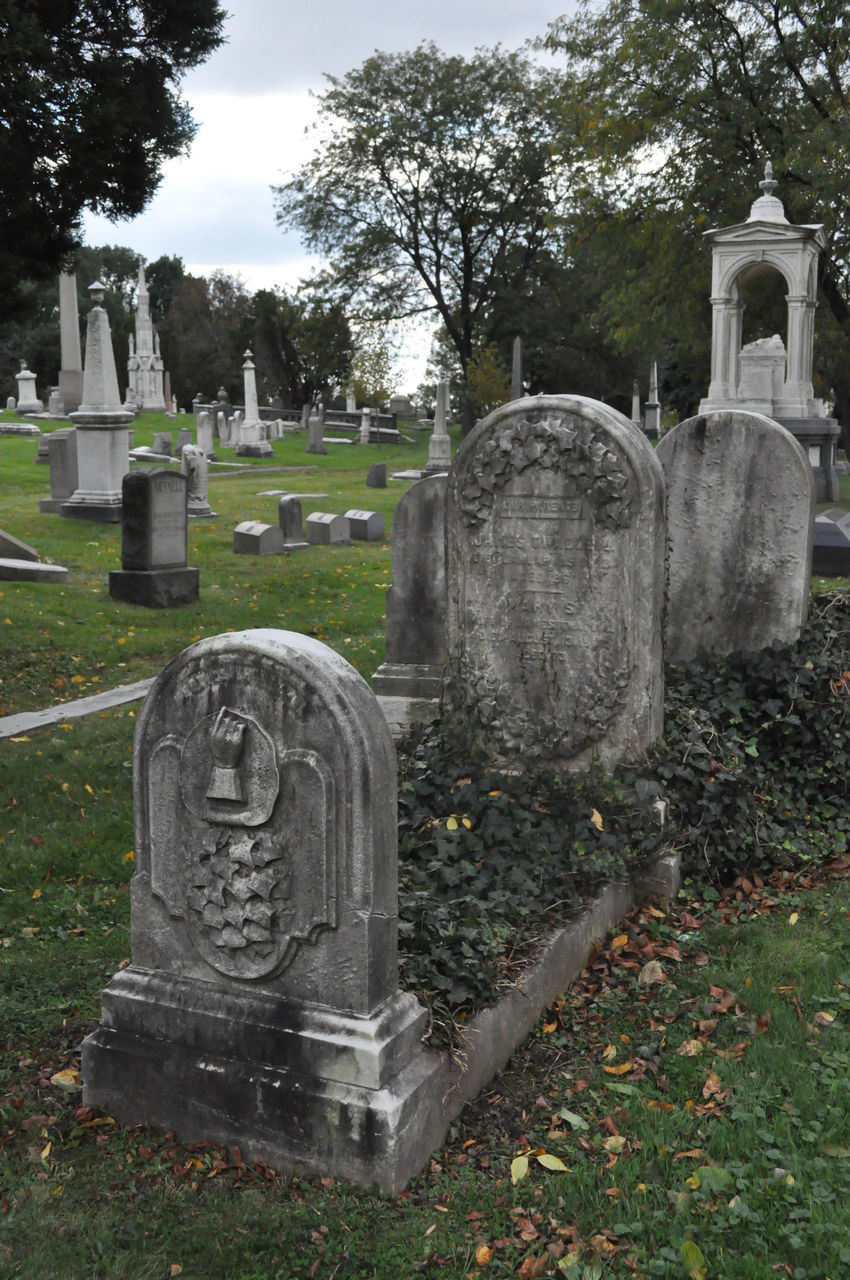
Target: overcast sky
[(251, 101)]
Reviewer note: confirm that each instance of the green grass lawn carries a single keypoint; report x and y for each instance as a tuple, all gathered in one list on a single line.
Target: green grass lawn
[(686, 1119)]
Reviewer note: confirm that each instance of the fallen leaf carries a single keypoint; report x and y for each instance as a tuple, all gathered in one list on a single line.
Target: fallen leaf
[(572, 1119), (838, 1153), (614, 1144), (596, 819), (609, 1052), (620, 941), (68, 1079), (824, 1019), (483, 1255), (552, 1162), (619, 1070), (651, 973), (693, 1259), (690, 1048), (694, 1153), (793, 918), (519, 1168)]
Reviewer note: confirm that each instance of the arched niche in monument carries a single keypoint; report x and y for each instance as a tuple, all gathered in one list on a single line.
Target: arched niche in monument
[(757, 378)]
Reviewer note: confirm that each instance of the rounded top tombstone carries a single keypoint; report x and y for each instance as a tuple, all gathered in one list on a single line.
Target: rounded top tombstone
[(555, 566)]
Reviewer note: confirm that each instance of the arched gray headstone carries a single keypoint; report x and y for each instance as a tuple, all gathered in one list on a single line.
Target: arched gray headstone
[(262, 1005), (740, 516), (555, 563)]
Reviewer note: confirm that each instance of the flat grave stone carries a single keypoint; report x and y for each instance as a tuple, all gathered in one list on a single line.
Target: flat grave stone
[(12, 570)]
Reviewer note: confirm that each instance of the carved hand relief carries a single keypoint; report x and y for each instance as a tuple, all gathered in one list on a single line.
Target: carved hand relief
[(243, 843), (577, 450)]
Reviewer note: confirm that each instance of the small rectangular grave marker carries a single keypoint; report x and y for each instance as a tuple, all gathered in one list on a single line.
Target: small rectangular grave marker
[(323, 528), (252, 538), (365, 526)]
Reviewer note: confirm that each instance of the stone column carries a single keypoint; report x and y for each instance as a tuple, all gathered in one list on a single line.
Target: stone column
[(102, 424), (725, 345), (365, 424), (516, 369), (440, 446), (798, 390), (71, 373)]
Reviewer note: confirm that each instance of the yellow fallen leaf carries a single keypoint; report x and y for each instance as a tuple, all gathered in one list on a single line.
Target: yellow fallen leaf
[(609, 1052), (519, 1168), (596, 819), (483, 1255), (466, 822), (36, 893), (651, 972), (45, 1151), (690, 1048), (428, 1230), (130, 856), (23, 738), (552, 1162), (619, 1070), (614, 1144), (451, 824), (67, 1079), (793, 918), (620, 941), (822, 1018)]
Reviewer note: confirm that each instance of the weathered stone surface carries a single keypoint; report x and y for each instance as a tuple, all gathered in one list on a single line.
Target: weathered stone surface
[(162, 443), (62, 458), (195, 467), (154, 526), (252, 538), (365, 526), (12, 570), (322, 528), (13, 549), (740, 510), (291, 523), (555, 567), (416, 601), (261, 1007), (831, 547)]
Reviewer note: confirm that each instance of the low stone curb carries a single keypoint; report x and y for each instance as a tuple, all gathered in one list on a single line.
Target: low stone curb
[(24, 721)]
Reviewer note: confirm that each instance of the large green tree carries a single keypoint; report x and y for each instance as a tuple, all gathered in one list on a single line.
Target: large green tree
[(89, 110), (671, 108), (302, 346), (433, 188)]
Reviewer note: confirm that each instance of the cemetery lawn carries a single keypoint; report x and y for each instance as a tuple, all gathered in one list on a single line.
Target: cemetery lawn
[(62, 642), (682, 1110)]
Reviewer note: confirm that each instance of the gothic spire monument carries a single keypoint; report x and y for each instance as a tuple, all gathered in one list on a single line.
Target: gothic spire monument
[(144, 367)]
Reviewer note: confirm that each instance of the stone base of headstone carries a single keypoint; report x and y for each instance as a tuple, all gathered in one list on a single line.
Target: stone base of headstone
[(307, 1090), (261, 450), (407, 680), (252, 538), (409, 474), (31, 571), (831, 544), (51, 506), (155, 588), (819, 438), (99, 512), (200, 511), (19, 429)]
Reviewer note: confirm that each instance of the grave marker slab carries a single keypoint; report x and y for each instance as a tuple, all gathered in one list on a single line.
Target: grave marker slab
[(291, 523), (62, 459), (740, 511), (323, 528), (555, 568), (261, 1007), (365, 526), (377, 476), (252, 538), (416, 602), (154, 570)]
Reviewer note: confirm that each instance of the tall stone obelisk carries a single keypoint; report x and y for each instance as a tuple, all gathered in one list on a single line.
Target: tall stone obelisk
[(440, 445), (103, 438), (71, 373)]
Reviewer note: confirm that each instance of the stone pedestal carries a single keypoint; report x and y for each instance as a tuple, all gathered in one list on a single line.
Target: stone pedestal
[(103, 449)]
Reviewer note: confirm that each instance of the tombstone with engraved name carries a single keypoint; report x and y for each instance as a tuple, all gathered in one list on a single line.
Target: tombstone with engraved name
[(740, 514), (184, 437), (261, 1007), (365, 526), (555, 570), (154, 527), (322, 528)]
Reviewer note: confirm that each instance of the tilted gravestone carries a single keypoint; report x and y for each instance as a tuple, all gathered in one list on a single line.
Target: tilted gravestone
[(162, 443), (740, 511), (555, 571), (416, 602), (261, 1007), (291, 523), (154, 531), (376, 477), (365, 526)]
